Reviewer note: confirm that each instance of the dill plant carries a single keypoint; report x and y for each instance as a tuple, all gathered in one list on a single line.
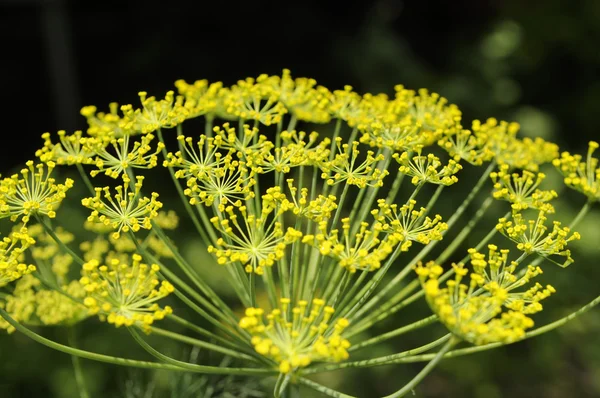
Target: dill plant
[(337, 231)]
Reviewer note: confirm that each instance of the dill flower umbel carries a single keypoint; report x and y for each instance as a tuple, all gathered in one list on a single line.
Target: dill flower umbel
[(34, 192), (295, 337), (124, 211), (319, 229), (125, 293), (12, 250)]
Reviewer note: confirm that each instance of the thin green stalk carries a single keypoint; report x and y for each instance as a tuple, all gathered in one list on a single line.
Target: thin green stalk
[(212, 307), (186, 203), (322, 389), (385, 311), (464, 233), (394, 333), (584, 210), (378, 361), (198, 368), (81, 353), (365, 293), (60, 243), (200, 343), (480, 183), (425, 371), (79, 379), (85, 179), (195, 328), (238, 337)]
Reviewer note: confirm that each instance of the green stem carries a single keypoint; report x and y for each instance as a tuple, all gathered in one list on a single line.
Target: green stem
[(378, 339), (85, 179), (79, 379), (451, 248), (425, 371), (198, 368), (200, 343), (81, 353), (60, 243), (380, 360), (320, 388)]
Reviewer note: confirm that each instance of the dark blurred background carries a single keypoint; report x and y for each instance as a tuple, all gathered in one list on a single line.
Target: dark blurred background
[(536, 62)]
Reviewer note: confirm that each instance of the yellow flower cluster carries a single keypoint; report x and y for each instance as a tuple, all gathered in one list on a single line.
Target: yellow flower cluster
[(497, 273), (34, 192), (521, 190), (255, 241), (364, 250), (12, 250), (532, 236), (345, 167), (426, 168), (296, 337), (581, 176), (409, 224), (125, 293), (473, 311), (124, 211)]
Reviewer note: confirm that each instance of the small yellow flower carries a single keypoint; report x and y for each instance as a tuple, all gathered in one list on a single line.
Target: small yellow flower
[(471, 313), (155, 114), (72, 149), (34, 192), (296, 337), (114, 155), (581, 176), (125, 293), (254, 241), (346, 166), (426, 168), (408, 224), (125, 210), (521, 190), (366, 250), (532, 236), (12, 249)]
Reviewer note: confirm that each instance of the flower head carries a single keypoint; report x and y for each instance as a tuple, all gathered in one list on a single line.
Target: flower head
[(33, 192), (408, 224), (125, 293), (471, 313), (532, 236), (581, 176), (256, 241), (124, 211), (72, 149), (296, 337), (521, 190), (426, 168), (12, 249)]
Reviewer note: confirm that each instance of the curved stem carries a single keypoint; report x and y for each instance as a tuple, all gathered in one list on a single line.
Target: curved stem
[(200, 343), (325, 390), (397, 332), (385, 360), (425, 371), (198, 368), (81, 353)]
